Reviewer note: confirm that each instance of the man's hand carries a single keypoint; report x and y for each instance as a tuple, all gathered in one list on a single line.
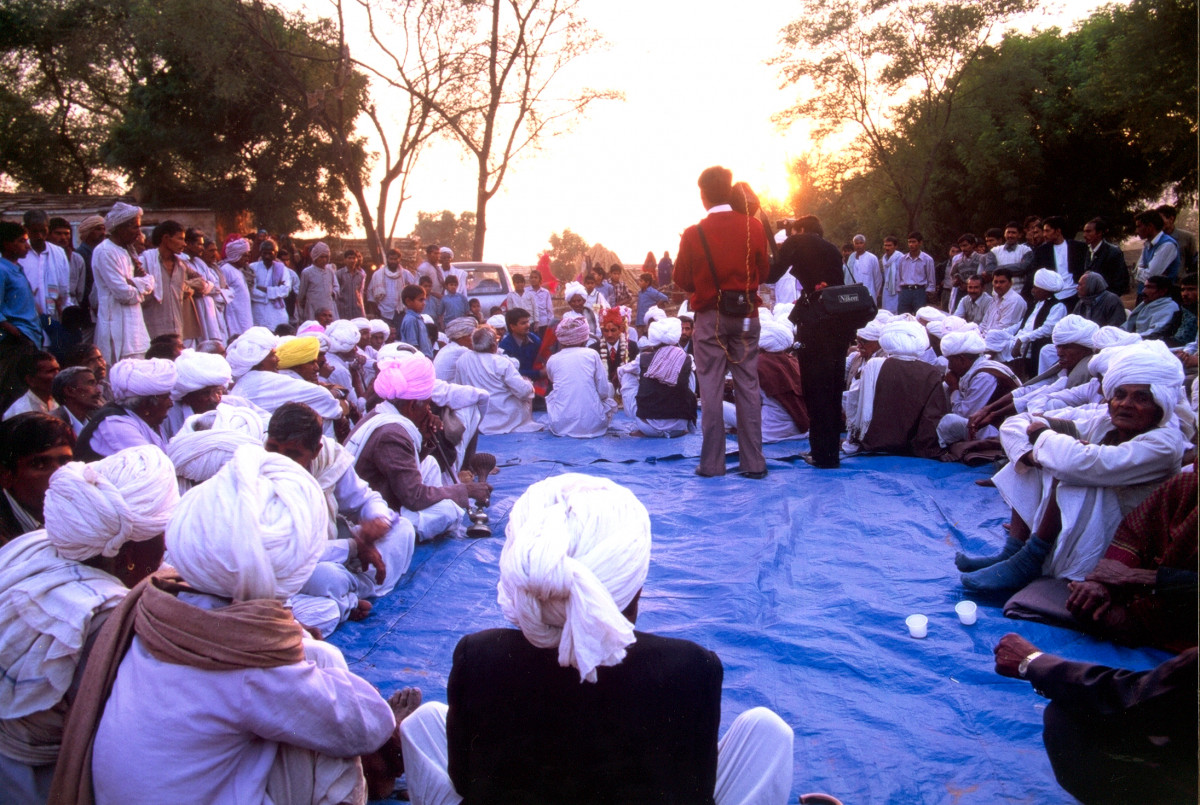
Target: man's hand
[(1088, 599), (481, 493), (1011, 649), (951, 382), (374, 529), (1113, 573), (1035, 427), (368, 556)]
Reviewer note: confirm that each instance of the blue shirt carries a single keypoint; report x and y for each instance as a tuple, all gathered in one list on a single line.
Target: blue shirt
[(16, 303), (525, 355), (646, 300), (454, 306), (413, 331)]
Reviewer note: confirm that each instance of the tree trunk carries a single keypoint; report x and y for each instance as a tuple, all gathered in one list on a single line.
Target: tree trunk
[(481, 202)]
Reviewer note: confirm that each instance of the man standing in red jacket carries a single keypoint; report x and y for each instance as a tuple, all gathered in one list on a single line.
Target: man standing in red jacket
[(721, 262)]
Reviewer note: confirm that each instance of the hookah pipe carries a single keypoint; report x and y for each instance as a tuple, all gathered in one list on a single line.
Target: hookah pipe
[(481, 465)]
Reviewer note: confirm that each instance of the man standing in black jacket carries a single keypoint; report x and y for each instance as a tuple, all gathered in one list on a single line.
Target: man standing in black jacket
[(817, 263), (1104, 258), (1067, 257)]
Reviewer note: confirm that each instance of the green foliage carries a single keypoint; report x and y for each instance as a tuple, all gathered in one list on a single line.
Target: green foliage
[(225, 116), (445, 229), (1094, 122), (565, 251)]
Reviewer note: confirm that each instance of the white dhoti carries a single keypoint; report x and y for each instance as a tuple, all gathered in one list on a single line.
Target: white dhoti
[(662, 428), (303, 776), (441, 516), (777, 423), (754, 758)]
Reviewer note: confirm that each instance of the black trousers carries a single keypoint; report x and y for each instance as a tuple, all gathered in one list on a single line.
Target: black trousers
[(1099, 761), (822, 374)]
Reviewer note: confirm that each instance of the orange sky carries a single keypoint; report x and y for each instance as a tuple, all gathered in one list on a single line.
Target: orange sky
[(625, 176)]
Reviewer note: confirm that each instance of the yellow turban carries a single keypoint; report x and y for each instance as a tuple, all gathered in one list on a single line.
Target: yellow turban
[(297, 351)]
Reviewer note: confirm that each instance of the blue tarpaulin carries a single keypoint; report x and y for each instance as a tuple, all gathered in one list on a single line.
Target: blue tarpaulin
[(800, 583)]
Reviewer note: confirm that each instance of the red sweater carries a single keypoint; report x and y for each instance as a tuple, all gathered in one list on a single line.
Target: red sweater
[(726, 233)]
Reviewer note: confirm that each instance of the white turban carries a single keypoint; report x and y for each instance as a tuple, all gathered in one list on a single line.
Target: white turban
[(254, 530), (94, 509), (379, 327), (200, 454), (783, 311), (343, 336), (141, 377), (904, 338), (235, 249), (870, 331), (497, 322), (396, 349), (319, 249), (954, 324), (1148, 362), (653, 314), (119, 214), (199, 370), (461, 327), (1047, 280), (665, 331), (773, 336), (1072, 329), (929, 313), (963, 342), (936, 328), (250, 349), (997, 340), (1110, 336), (446, 250), (576, 552), (574, 289), (233, 413), (362, 323), (322, 343)]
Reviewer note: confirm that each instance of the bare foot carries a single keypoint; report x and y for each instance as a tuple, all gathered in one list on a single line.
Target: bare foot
[(636, 432), (403, 702), (361, 611), (313, 631)]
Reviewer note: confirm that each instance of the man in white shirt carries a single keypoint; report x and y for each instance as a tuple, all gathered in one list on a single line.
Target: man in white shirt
[(1007, 308), (78, 395), (973, 307), (46, 266), (37, 371), (387, 283), (862, 267)]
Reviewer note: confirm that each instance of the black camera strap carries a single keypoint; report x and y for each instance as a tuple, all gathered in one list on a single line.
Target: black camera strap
[(708, 253)]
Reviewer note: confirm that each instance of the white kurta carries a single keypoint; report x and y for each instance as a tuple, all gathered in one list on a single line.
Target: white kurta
[(116, 433), (269, 390), (510, 396), (120, 329), (49, 606), (267, 298), (210, 307), (1097, 484), (446, 361), (581, 403), (228, 735), (864, 270), (777, 423), (238, 314)]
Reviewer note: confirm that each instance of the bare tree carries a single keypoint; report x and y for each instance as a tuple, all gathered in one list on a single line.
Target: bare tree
[(503, 104)]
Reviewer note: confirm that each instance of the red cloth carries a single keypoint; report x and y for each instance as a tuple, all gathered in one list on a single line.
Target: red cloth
[(726, 233)]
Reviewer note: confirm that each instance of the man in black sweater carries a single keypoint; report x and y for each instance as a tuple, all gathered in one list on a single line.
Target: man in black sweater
[(577, 706)]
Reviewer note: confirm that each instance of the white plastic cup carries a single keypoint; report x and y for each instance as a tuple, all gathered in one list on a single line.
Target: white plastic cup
[(918, 625), (967, 612)]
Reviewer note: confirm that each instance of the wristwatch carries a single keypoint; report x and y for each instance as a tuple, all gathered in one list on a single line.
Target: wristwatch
[(1023, 668)]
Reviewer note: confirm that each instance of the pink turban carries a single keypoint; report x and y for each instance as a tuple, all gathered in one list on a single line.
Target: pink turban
[(572, 332), (234, 249), (408, 378)]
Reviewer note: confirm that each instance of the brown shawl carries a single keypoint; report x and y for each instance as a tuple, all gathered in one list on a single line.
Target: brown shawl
[(779, 379), (250, 634)]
